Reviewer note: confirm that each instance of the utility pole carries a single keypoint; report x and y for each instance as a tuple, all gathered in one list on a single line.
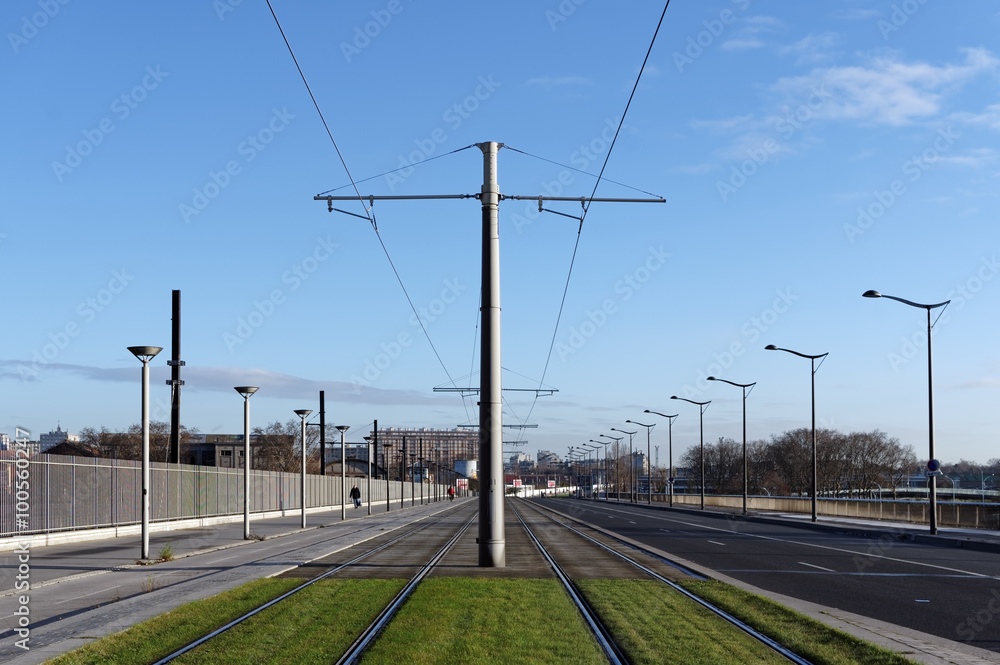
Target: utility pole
[(492, 542)]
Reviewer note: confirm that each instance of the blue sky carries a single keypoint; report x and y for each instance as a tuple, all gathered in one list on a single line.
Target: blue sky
[(806, 153)]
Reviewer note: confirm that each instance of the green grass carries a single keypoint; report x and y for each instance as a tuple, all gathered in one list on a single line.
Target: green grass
[(810, 639), (462, 621), (148, 641), (316, 625), (654, 625)]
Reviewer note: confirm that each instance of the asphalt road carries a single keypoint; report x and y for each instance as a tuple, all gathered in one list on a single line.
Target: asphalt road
[(941, 590)]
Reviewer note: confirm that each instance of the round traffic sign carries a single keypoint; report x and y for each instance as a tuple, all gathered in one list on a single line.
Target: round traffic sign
[(933, 465)]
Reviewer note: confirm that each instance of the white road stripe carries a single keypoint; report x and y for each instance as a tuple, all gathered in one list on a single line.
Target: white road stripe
[(813, 565)]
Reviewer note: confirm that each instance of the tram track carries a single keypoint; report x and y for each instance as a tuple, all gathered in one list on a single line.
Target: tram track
[(365, 552), (623, 550)]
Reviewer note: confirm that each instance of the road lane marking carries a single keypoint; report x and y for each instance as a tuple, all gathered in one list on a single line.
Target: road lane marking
[(831, 548), (715, 542), (813, 565), (84, 595)]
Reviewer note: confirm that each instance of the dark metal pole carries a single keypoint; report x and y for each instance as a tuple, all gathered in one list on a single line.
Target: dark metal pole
[(322, 433), (175, 382), (402, 474), (814, 464), (932, 486)]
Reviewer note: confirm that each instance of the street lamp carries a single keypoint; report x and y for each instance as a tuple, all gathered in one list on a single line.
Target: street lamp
[(618, 483), (343, 472), (303, 414), (930, 398), (744, 387), (670, 450), (649, 475), (812, 360), (368, 482), (631, 463), (590, 449), (145, 354), (605, 444), (246, 391), (386, 447), (701, 428)]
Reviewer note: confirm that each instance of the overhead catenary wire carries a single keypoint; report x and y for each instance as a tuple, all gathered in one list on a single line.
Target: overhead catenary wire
[(369, 213), (586, 206), (401, 168), (571, 168)]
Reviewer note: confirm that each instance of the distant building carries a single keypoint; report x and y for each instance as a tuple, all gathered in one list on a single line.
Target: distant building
[(55, 438), (447, 445), (547, 457)]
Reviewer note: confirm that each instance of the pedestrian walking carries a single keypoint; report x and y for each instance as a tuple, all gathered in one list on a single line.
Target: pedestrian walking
[(451, 493), (356, 496)]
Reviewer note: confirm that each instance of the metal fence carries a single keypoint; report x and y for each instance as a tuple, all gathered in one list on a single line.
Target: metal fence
[(65, 493)]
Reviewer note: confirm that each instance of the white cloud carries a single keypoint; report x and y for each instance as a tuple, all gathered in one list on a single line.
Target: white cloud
[(886, 90), (736, 123), (989, 118), (813, 48)]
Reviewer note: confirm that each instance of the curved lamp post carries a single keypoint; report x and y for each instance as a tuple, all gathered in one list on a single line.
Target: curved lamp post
[(594, 463), (746, 392), (670, 451), (701, 428), (246, 391), (649, 475), (303, 414), (631, 463), (145, 354), (812, 360), (343, 472), (932, 493)]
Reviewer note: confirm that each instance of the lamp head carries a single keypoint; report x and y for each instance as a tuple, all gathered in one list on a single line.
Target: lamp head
[(871, 293), (770, 347), (674, 397), (302, 413), (712, 378), (343, 428), (145, 353), (246, 391)]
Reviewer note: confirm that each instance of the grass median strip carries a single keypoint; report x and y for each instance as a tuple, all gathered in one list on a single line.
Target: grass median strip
[(810, 639), (150, 640), (653, 624), (487, 622)]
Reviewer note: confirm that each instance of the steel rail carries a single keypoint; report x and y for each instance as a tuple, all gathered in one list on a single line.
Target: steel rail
[(357, 649), (235, 622), (749, 630), (603, 635)]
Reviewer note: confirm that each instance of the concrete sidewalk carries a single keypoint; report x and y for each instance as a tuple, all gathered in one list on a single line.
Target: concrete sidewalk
[(88, 556)]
